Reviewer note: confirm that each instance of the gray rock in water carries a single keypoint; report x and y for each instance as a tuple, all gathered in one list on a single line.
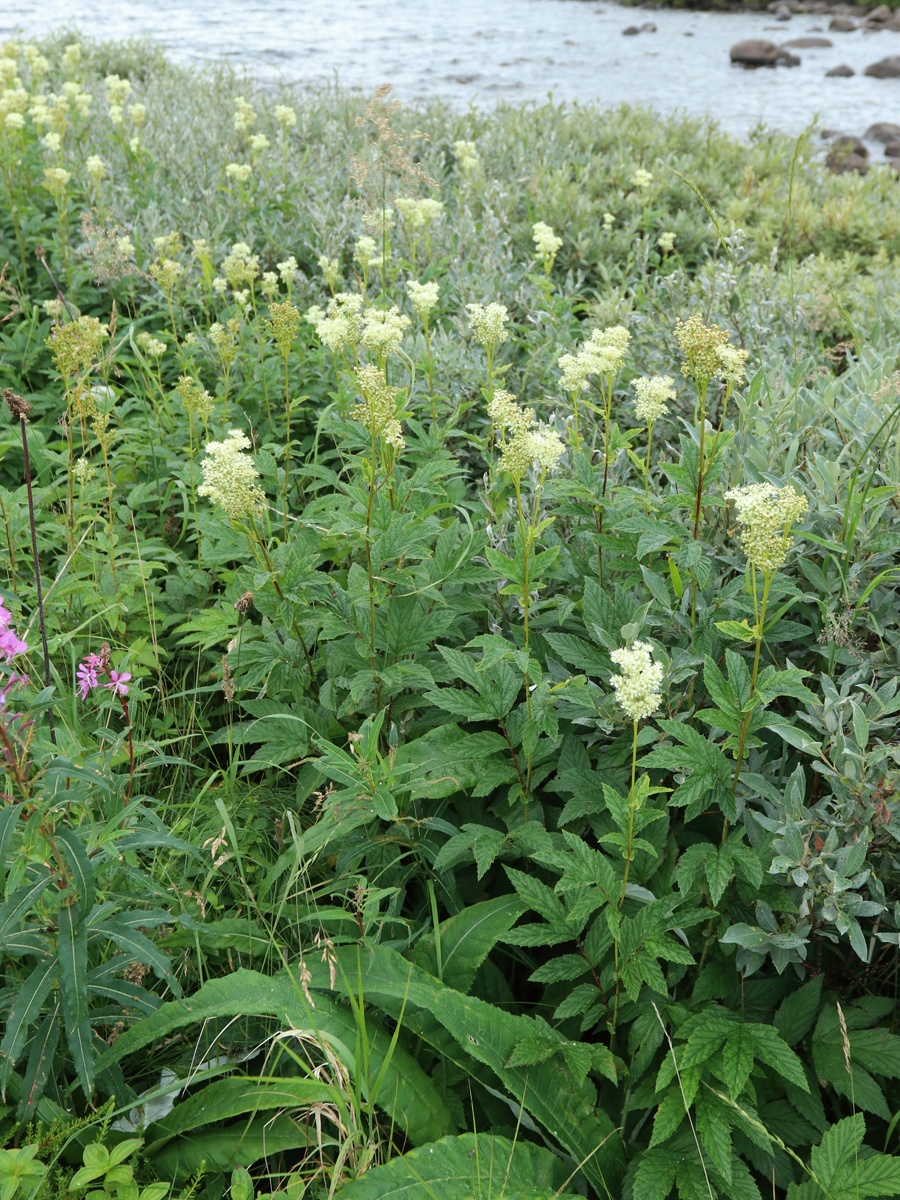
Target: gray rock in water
[(892, 150), (879, 15), (885, 68), (783, 13), (757, 52), (630, 31), (841, 25), (807, 43), (841, 72), (882, 131), (648, 27)]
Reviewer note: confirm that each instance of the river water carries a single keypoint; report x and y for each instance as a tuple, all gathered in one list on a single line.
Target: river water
[(485, 51)]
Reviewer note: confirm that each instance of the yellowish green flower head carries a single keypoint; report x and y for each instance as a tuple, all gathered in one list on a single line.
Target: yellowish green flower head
[(765, 514), (700, 344), (56, 180), (244, 114), (377, 410), (417, 214), (637, 689), (533, 445), (467, 157), (379, 221), (507, 415), (487, 324), (239, 172), (117, 90), (546, 242), (423, 297), (365, 251), (666, 242), (732, 365), (287, 269), (196, 400), (283, 325), (229, 476), (331, 270), (259, 142), (95, 167), (651, 394), (285, 116), (641, 179)]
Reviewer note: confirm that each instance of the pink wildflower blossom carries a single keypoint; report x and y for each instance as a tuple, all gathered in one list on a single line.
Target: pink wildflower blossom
[(10, 645), (118, 682)]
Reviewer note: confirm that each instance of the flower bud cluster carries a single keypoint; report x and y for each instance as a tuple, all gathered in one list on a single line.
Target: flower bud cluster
[(377, 410), (196, 400), (283, 325), (701, 345)]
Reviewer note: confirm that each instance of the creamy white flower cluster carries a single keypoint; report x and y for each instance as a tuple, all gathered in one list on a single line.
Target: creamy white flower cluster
[(651, 394), (424, 297), (229, 476), (383, 330), (637, 688), (546, 242), (603, 354), (378, 408), (765, 514), (507, 415), (487, 324), (419, 213), (467, 157), (338, 326)]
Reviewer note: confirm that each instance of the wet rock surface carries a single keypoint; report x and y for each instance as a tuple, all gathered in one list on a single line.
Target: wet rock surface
[(885, 68), (840, 72)]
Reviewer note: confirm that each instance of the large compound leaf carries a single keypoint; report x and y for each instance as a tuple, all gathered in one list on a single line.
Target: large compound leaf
[(458, 1168), (227, 1147)]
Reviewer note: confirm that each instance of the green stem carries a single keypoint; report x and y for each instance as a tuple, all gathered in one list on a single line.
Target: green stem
[(631, 806), (745, 722)]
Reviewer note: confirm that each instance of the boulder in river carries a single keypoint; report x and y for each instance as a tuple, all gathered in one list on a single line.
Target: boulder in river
[(841, 72), (630, 31), (782, 13), (879, 15), (841, 25), (885, 68), (757, 52), (807, 43), (847, 154), (883, 131), (892, 150), (648, 27)]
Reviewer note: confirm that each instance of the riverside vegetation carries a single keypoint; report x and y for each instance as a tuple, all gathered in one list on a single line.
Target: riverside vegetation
[(449, 637)]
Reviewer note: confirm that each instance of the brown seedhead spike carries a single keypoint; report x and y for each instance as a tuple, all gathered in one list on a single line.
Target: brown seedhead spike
[(17, 405)]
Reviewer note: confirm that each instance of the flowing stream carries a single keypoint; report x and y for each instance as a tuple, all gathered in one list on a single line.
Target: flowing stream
[(485, 51)]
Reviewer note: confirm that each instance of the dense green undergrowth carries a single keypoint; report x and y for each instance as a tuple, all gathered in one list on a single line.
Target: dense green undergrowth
[(453, 750)]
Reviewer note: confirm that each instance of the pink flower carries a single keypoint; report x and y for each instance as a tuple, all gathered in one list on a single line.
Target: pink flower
[(86, 675), (5, 618), (10, 645), (118, 682)]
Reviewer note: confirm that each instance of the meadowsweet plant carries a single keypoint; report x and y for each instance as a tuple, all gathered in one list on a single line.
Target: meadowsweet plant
[(516, 753)]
